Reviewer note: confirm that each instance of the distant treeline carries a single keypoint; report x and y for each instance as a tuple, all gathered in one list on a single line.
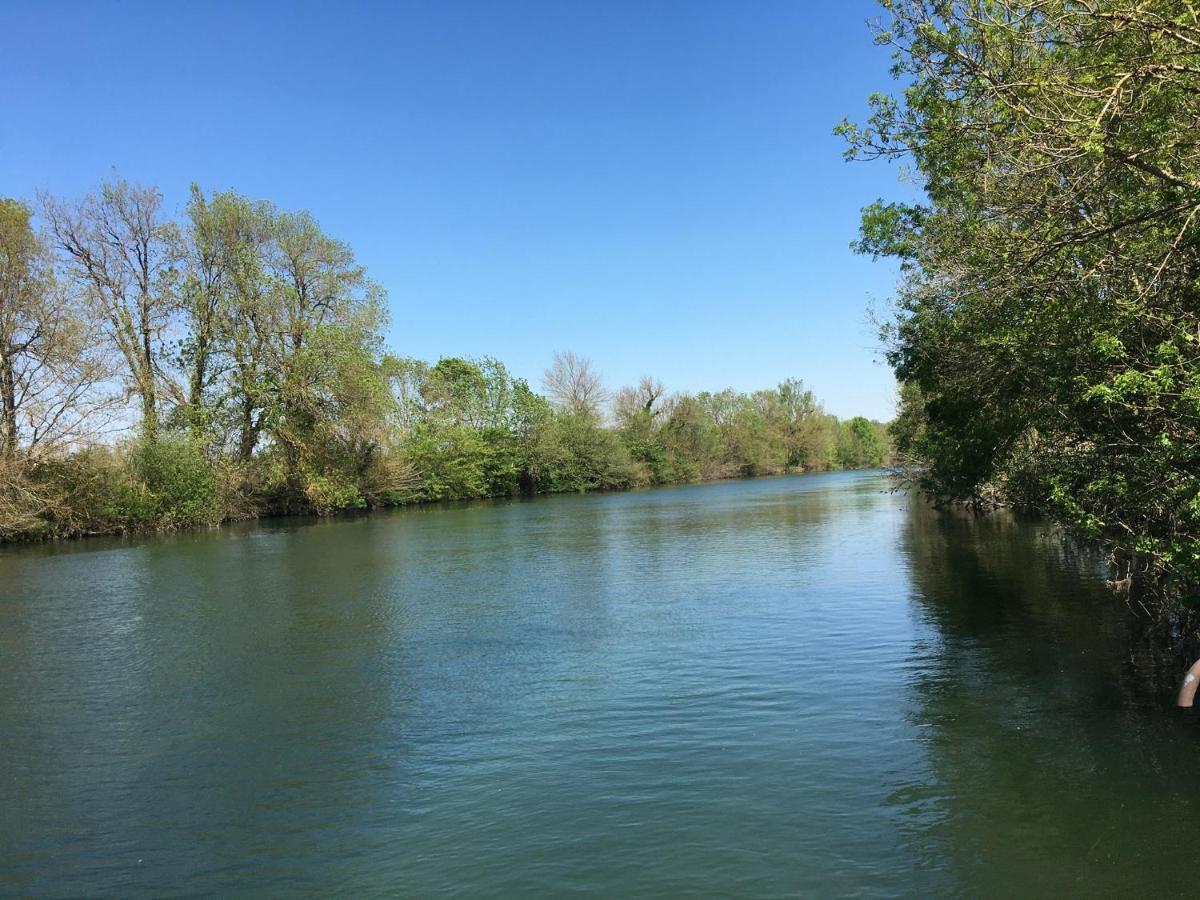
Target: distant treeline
[(158, 373)]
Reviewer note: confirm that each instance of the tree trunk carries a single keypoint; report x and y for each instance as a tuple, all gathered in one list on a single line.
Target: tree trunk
[(198, 377), (149, 412), (149, 400), (248, 436), (8, 409)]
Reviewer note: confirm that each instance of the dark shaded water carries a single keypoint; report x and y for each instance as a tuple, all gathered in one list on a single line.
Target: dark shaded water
[(790, 686)]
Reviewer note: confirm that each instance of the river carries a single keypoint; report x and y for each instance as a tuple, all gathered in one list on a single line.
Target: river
[(803, 685)]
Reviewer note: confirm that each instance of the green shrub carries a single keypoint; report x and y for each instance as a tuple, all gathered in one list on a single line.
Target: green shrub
[(98, 494), (458, 463), (182, 481), (329, 492)]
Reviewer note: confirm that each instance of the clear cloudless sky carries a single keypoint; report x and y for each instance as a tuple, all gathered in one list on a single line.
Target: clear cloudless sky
[(653, 184)]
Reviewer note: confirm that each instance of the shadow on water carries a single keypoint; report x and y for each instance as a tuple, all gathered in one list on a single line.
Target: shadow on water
[(1059, 764)]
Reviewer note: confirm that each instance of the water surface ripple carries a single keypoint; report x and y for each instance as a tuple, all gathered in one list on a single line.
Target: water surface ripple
[(793, 686)]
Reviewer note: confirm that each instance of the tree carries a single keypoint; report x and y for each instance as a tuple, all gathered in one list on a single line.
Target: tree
[(24, 282), (459, 420), (1048, 334), (319, 324), (206, 278), (690, 439), (51, 370), (645, 399), (859, 445), (122, 252), (455, 389), (223, 299), (638, 413), (741, 425), (794, 415), (573, 384), (335, 425), (532, 430)]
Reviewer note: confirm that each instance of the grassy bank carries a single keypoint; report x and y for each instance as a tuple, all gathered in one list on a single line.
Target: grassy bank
[(173, 483)]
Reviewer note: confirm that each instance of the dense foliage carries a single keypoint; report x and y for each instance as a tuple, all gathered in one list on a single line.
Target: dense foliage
[(159, 373), (1048, 330)]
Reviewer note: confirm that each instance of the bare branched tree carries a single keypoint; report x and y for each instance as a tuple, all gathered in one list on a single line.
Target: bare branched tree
[(645, 399), (572, 383), (121, 251)]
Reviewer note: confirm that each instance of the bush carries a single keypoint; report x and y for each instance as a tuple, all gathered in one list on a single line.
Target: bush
[(328, 492), (25, 501), (458, 463), (98, 494), (181, 481), (583, 456)]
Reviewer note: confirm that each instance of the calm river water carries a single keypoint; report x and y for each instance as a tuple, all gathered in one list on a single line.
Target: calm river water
[(792, 686)]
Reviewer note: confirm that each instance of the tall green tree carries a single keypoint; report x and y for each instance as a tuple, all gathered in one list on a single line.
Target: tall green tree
[(1048, 325), (223, 295), (325, 317), (859, 445)]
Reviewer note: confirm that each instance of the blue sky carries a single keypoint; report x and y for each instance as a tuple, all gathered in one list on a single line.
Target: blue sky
[(653, 184)]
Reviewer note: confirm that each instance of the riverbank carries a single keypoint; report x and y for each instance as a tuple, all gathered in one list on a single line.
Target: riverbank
[(176, 488)]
